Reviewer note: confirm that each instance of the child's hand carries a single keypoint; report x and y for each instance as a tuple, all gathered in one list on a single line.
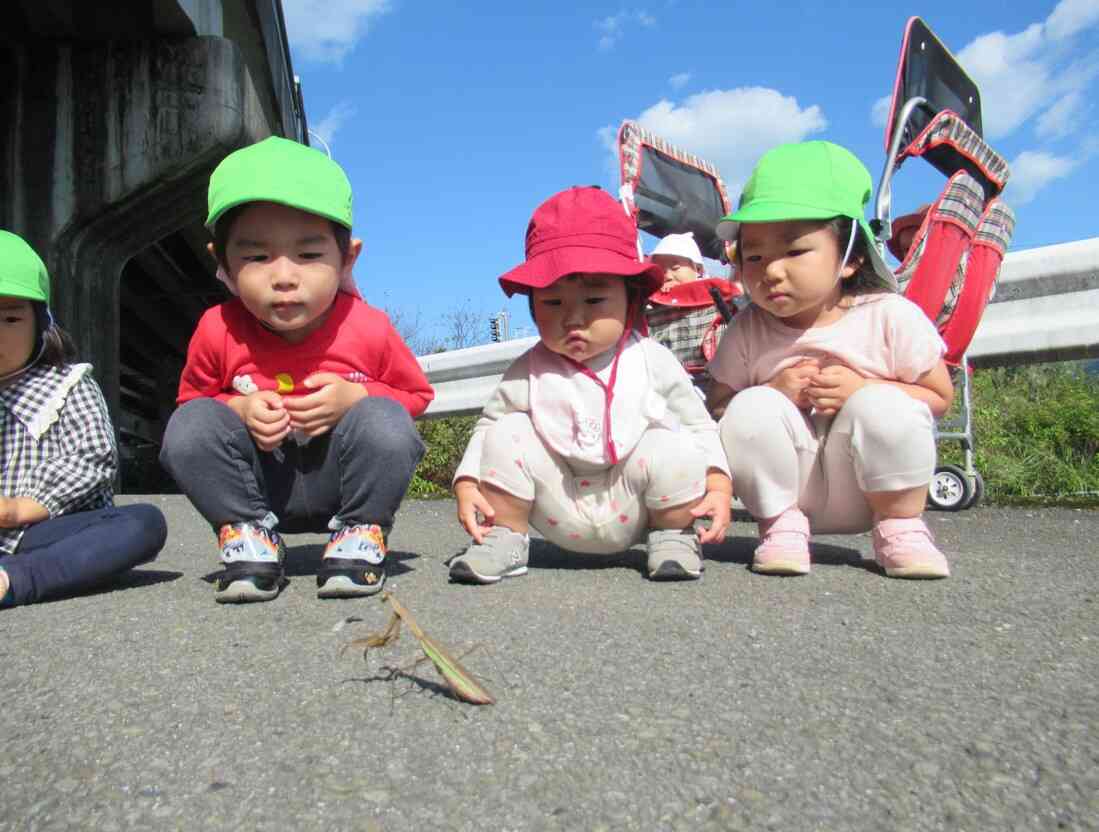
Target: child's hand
[(715, 504), (793, 382), (318, 412), (263, 414), (471, 502), (21, 511), (831, 387)]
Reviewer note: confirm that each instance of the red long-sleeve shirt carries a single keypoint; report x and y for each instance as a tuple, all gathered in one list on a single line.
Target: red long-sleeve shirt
[(232, 354)]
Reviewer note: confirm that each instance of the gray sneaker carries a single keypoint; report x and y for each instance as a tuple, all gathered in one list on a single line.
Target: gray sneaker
[(502, 555), (674, 555)]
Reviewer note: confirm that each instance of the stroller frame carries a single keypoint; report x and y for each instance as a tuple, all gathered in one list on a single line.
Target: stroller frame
[(936, 114)]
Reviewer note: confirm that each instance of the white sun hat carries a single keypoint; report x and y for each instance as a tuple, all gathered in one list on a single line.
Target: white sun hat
[(679, 245)]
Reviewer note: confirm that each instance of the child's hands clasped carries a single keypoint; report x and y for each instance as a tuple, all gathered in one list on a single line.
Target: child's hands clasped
[(472, 502), (794, 381), (830, 388), (315, 413), (265, 417)]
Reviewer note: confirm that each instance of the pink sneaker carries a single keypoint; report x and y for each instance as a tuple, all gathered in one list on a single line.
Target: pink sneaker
[(904, 549), (783, 545)]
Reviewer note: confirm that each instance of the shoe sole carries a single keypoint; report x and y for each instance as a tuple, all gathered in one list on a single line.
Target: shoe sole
[(781, 568), (244, 592), (341, 586), (916, 572), (464, 573), (669, 570)]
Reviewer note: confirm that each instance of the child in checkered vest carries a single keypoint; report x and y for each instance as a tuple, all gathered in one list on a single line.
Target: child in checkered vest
[(683, 315), (59, 531)]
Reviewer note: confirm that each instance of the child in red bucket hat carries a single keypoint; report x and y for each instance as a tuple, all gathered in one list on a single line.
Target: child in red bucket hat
[(594, 436)]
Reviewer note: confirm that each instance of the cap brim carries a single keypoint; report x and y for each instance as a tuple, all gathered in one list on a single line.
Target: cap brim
[(546, 269), (727, 230)]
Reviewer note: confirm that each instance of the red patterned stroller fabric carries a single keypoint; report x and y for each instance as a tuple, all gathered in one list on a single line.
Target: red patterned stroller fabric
[(950, 268)]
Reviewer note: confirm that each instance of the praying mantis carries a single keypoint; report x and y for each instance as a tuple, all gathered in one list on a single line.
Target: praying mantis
[(460, 681)]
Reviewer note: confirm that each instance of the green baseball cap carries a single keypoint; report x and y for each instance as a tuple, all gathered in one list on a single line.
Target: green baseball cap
[(808, 181), (282, 171), (22, 272)]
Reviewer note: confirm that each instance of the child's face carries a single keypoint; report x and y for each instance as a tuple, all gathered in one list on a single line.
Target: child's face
[(286, 267), (789, 269), (676, 270), (17, 333), (582, 315)]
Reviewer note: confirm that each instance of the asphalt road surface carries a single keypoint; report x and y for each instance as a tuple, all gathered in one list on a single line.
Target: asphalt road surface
[(842, 700)]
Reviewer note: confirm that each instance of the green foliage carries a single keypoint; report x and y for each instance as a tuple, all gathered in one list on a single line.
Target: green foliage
[(446, 441), (1036, 433)]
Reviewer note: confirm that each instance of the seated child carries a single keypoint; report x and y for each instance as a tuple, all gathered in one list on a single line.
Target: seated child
[(60, 531), (835, 379), (297, 399), (682, 315), (594, 436)]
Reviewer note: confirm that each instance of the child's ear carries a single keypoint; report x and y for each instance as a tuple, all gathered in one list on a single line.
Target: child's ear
[(852, 268), (223, 270), (354, 249)]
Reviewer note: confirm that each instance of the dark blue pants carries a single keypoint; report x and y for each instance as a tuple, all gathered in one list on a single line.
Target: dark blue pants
[(66, 554), (358, 472)]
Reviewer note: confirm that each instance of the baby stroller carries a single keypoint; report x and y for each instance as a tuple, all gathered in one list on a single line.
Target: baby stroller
[(950, 267), (669, 191)]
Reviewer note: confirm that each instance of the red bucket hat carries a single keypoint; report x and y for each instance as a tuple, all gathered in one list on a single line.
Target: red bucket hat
[(580, 230)]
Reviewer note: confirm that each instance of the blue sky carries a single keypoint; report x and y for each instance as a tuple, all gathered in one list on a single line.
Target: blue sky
[(454, 122)]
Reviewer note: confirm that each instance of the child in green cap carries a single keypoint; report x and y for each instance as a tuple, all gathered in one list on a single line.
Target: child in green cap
[(834, 379), (59, 529), (297, 399)]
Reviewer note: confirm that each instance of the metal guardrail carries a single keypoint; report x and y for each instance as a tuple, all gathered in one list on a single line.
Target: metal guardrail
[(1046, 308)]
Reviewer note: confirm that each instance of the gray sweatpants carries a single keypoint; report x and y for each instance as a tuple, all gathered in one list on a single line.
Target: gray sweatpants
[(357, 472)]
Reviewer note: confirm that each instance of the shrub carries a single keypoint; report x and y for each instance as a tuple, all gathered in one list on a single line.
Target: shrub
[(446, 440), (1036, 433)]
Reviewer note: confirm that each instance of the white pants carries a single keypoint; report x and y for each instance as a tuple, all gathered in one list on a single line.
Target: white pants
[(599, 511), (882, 439)]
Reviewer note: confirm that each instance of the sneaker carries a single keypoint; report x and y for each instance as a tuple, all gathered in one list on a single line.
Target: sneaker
[(354, 561), (252, 554), (503, 555), (904, 548), (783, 545), (674, 555)]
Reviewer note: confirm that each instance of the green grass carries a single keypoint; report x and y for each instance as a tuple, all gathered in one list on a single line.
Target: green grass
[(1036, 436)]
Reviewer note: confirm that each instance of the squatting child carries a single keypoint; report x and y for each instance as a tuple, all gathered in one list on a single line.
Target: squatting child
[(835, 379), (297, 398), (59, 529), (594, 436)]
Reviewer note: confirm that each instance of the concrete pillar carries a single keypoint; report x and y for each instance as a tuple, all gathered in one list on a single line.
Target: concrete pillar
[(106, 148)]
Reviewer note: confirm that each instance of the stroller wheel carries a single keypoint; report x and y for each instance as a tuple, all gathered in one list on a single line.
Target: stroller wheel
[(950, 489), (978, 490)]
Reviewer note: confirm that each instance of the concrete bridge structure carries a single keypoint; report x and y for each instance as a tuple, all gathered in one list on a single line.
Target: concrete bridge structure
[(116, 112)]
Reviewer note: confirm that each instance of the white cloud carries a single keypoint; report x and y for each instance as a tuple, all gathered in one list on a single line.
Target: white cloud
[(728, 128), (328, 126), (1062, 118), (327, 30), (1072, 16), (1024, 74), (879, 113), (679, 80), (1031, 171), (613, 27)]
